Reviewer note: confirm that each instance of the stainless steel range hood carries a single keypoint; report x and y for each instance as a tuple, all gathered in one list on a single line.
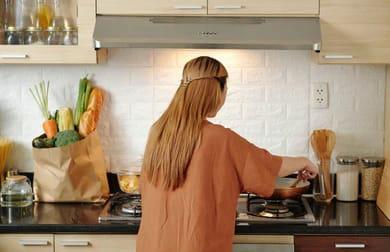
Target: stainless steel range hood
[(208, 32)]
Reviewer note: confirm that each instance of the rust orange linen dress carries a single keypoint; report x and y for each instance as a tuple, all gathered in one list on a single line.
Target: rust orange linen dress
[(200, 215)]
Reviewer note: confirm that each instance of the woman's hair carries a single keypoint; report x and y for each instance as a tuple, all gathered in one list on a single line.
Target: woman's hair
[(174, 136)]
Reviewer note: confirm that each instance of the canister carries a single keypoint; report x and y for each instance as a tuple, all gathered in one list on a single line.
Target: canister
[(372, 169), (347, 178)]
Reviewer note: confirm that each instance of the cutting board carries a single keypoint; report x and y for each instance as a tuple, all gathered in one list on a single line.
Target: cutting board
[(383, 199)]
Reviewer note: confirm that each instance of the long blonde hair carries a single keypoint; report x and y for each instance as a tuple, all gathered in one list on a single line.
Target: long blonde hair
[(174, 136)]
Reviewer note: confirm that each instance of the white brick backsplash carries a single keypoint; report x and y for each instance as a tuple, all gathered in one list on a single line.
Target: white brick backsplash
[(261, 76), (255, 111), (141, 76), (268, 100)]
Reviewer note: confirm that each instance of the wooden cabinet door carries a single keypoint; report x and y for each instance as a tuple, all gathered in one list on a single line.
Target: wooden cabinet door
[(82, 53), (355, 31), (152, 7), (307, 243), (264, 7), (94, 243), (26, 243)]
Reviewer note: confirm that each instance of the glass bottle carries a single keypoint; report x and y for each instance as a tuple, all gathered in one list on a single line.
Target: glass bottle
[(44, 14), (64, 13), (2, 19)]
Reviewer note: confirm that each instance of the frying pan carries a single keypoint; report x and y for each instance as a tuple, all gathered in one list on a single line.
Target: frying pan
[(284, 191)]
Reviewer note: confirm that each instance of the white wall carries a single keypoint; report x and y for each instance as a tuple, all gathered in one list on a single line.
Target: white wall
[(268, 100)]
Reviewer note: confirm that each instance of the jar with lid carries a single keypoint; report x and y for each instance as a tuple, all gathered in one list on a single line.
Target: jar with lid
[(347, 178), (372, 169), (70, 36), (16, 191), (33, 36), (13, 36), (53, 36)]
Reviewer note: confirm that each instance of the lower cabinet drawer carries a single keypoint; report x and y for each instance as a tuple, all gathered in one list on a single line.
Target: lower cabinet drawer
[(26, 243), (95, 243), (308, 243)]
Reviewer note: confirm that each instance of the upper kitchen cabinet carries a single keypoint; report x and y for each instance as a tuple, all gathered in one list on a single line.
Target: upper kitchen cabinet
[(264, 7), (48, 32), (355, 31), (152, 7)]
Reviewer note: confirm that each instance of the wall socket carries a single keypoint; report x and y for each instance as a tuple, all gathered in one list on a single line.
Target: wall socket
[(319, 95)]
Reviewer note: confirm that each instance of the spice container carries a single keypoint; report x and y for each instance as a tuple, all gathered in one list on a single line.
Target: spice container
[(372, 169), (347, 180), (33, 36), (70, 36), (53, 36), (16, 191), (13, 36)]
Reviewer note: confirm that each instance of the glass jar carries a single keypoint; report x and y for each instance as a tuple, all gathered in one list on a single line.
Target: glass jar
[(70, 36), (65, 13), (16, 191), (372, 169), (13, 36), (33, 36), (347, 178), (53, 36), (128, 181)]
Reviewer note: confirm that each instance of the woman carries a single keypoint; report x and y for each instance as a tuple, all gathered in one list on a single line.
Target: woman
[(194, 170)]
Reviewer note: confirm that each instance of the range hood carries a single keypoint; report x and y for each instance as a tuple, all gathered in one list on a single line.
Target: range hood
[(208, 32)]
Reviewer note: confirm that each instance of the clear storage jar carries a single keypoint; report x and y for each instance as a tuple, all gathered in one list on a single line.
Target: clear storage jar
[(347, 178), (16, 191), (33, 36), (372, 169)]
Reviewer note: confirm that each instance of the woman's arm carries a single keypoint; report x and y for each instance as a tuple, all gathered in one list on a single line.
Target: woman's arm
[(306, 169)]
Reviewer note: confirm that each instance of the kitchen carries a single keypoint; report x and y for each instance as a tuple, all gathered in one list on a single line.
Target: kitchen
[(140, 76)]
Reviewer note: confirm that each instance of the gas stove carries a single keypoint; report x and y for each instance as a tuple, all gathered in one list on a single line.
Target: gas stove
[(122, 207), (251, 209)]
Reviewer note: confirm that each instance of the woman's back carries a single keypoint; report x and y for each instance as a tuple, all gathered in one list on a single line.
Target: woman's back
[(199, 216)]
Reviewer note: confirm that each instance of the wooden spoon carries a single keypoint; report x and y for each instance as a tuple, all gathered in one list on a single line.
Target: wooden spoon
[(293, 185), (323, 142)]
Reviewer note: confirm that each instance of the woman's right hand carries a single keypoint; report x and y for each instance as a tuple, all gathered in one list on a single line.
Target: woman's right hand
[(305, 168), (309, 170)]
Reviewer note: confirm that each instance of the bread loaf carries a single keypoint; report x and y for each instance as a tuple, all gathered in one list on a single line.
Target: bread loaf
[(89, 119)]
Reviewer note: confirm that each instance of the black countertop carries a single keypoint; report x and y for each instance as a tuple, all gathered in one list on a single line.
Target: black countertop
[(337, 218)]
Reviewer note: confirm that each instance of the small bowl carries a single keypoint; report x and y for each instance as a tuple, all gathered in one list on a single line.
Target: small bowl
[(128, 181)]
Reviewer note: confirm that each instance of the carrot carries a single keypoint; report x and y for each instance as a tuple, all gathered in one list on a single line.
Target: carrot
[(50, 128)]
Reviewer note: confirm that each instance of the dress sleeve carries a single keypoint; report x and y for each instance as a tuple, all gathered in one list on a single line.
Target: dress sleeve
[(256, 168)]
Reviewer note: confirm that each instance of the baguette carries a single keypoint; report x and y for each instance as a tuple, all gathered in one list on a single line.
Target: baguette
[(90, 118)]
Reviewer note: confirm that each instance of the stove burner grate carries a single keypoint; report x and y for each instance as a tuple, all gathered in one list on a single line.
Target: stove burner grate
[(275, 208)]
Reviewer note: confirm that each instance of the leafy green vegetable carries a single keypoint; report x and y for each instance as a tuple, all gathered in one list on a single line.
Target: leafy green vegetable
[(66, 137), (43, 142)]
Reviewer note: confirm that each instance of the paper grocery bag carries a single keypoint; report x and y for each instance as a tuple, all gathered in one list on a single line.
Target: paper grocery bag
[(72, 173)]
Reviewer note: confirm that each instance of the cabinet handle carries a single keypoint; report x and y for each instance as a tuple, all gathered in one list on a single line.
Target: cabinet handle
[(74, 243), (228, 7), (350, 245), (188, 7), (14, 56), (33, 242), (338, 57)]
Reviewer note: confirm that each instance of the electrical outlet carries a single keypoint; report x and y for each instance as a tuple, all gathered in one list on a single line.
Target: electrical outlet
[(319, 95)]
